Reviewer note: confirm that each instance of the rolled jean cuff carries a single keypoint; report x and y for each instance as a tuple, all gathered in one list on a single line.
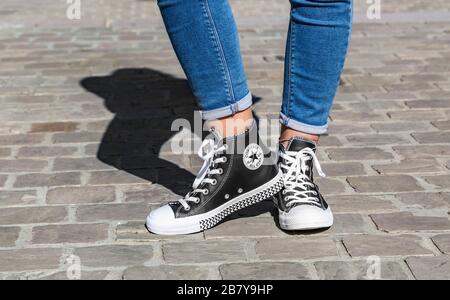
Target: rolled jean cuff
[(296, 125), (228, 110)]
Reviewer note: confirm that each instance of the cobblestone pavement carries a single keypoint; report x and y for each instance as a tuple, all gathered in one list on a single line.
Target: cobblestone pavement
[(85, 132)]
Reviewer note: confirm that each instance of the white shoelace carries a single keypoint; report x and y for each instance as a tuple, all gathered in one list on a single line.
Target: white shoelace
[(296, 182), (207, 151)]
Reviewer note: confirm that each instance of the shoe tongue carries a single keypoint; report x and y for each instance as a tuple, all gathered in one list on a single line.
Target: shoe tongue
[(297, 144), (214, 135)]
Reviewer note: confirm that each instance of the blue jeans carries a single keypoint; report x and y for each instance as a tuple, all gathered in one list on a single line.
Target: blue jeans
[(205, 38)]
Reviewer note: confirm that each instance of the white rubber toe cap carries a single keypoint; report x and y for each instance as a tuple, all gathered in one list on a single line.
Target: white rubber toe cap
[(162, 221), (306, 217), (161, 217)]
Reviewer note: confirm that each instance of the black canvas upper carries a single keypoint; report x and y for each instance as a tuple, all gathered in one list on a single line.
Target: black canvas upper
[(236, 178), (297, 144)]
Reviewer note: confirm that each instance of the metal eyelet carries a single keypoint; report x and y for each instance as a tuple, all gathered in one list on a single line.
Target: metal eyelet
[(283, 192), (225, 159), (187, 208), (240, 190), (205, 192), (197, 201), (227, 196), (214, 182), (220, 171)]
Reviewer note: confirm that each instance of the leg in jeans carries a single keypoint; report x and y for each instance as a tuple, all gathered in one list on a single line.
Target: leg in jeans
[(317, 44), (234, 175), (318, 37), (205, 38)]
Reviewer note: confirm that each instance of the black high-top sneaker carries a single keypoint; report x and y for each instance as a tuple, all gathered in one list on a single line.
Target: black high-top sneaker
[(237, 172), (300, 204)]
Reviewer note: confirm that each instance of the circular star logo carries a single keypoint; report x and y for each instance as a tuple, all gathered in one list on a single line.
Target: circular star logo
[(253, 156)]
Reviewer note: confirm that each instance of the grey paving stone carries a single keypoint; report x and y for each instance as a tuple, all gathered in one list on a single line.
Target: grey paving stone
[(204, 251), (343, 169), (77, 137), (8, 236), (84, 275), (359, 204), (425, 200), (432, 137), (358, 154), (442, 125), (404, 221), (411, 115), (69, 233), (295, 248), (10, 198), (29, 215), (430, 268), (423, 151), (151, 193), (383, 245), (348, 223), (47, 179), (166, 272), (330, 186), (400, 126), (358, 270), (376, 139), (5, 152), (79, 164), (384, 183), (112, 212), (46, 151), (21, 139), (78, 195), (348, 116), (376, 106), (442, 181), (3, 179), (409, 166), (348, 128), (424, 77), (22, 165), (116, 177), (409, 86), (329, 141), (29, 259), (114, 255), (264, 271), (442, 241), (394, 95), (441, 103)]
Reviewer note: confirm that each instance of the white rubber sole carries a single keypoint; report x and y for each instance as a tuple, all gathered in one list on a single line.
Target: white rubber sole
[(207, 220), (311, 222)]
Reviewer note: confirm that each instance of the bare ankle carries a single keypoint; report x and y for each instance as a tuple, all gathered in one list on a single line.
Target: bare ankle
[(288, 133), (234, 124)]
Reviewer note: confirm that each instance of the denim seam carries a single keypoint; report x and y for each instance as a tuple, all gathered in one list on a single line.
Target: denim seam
[(345, 48), (225, 69), (348, 32), (213, 38), (291, 65)]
